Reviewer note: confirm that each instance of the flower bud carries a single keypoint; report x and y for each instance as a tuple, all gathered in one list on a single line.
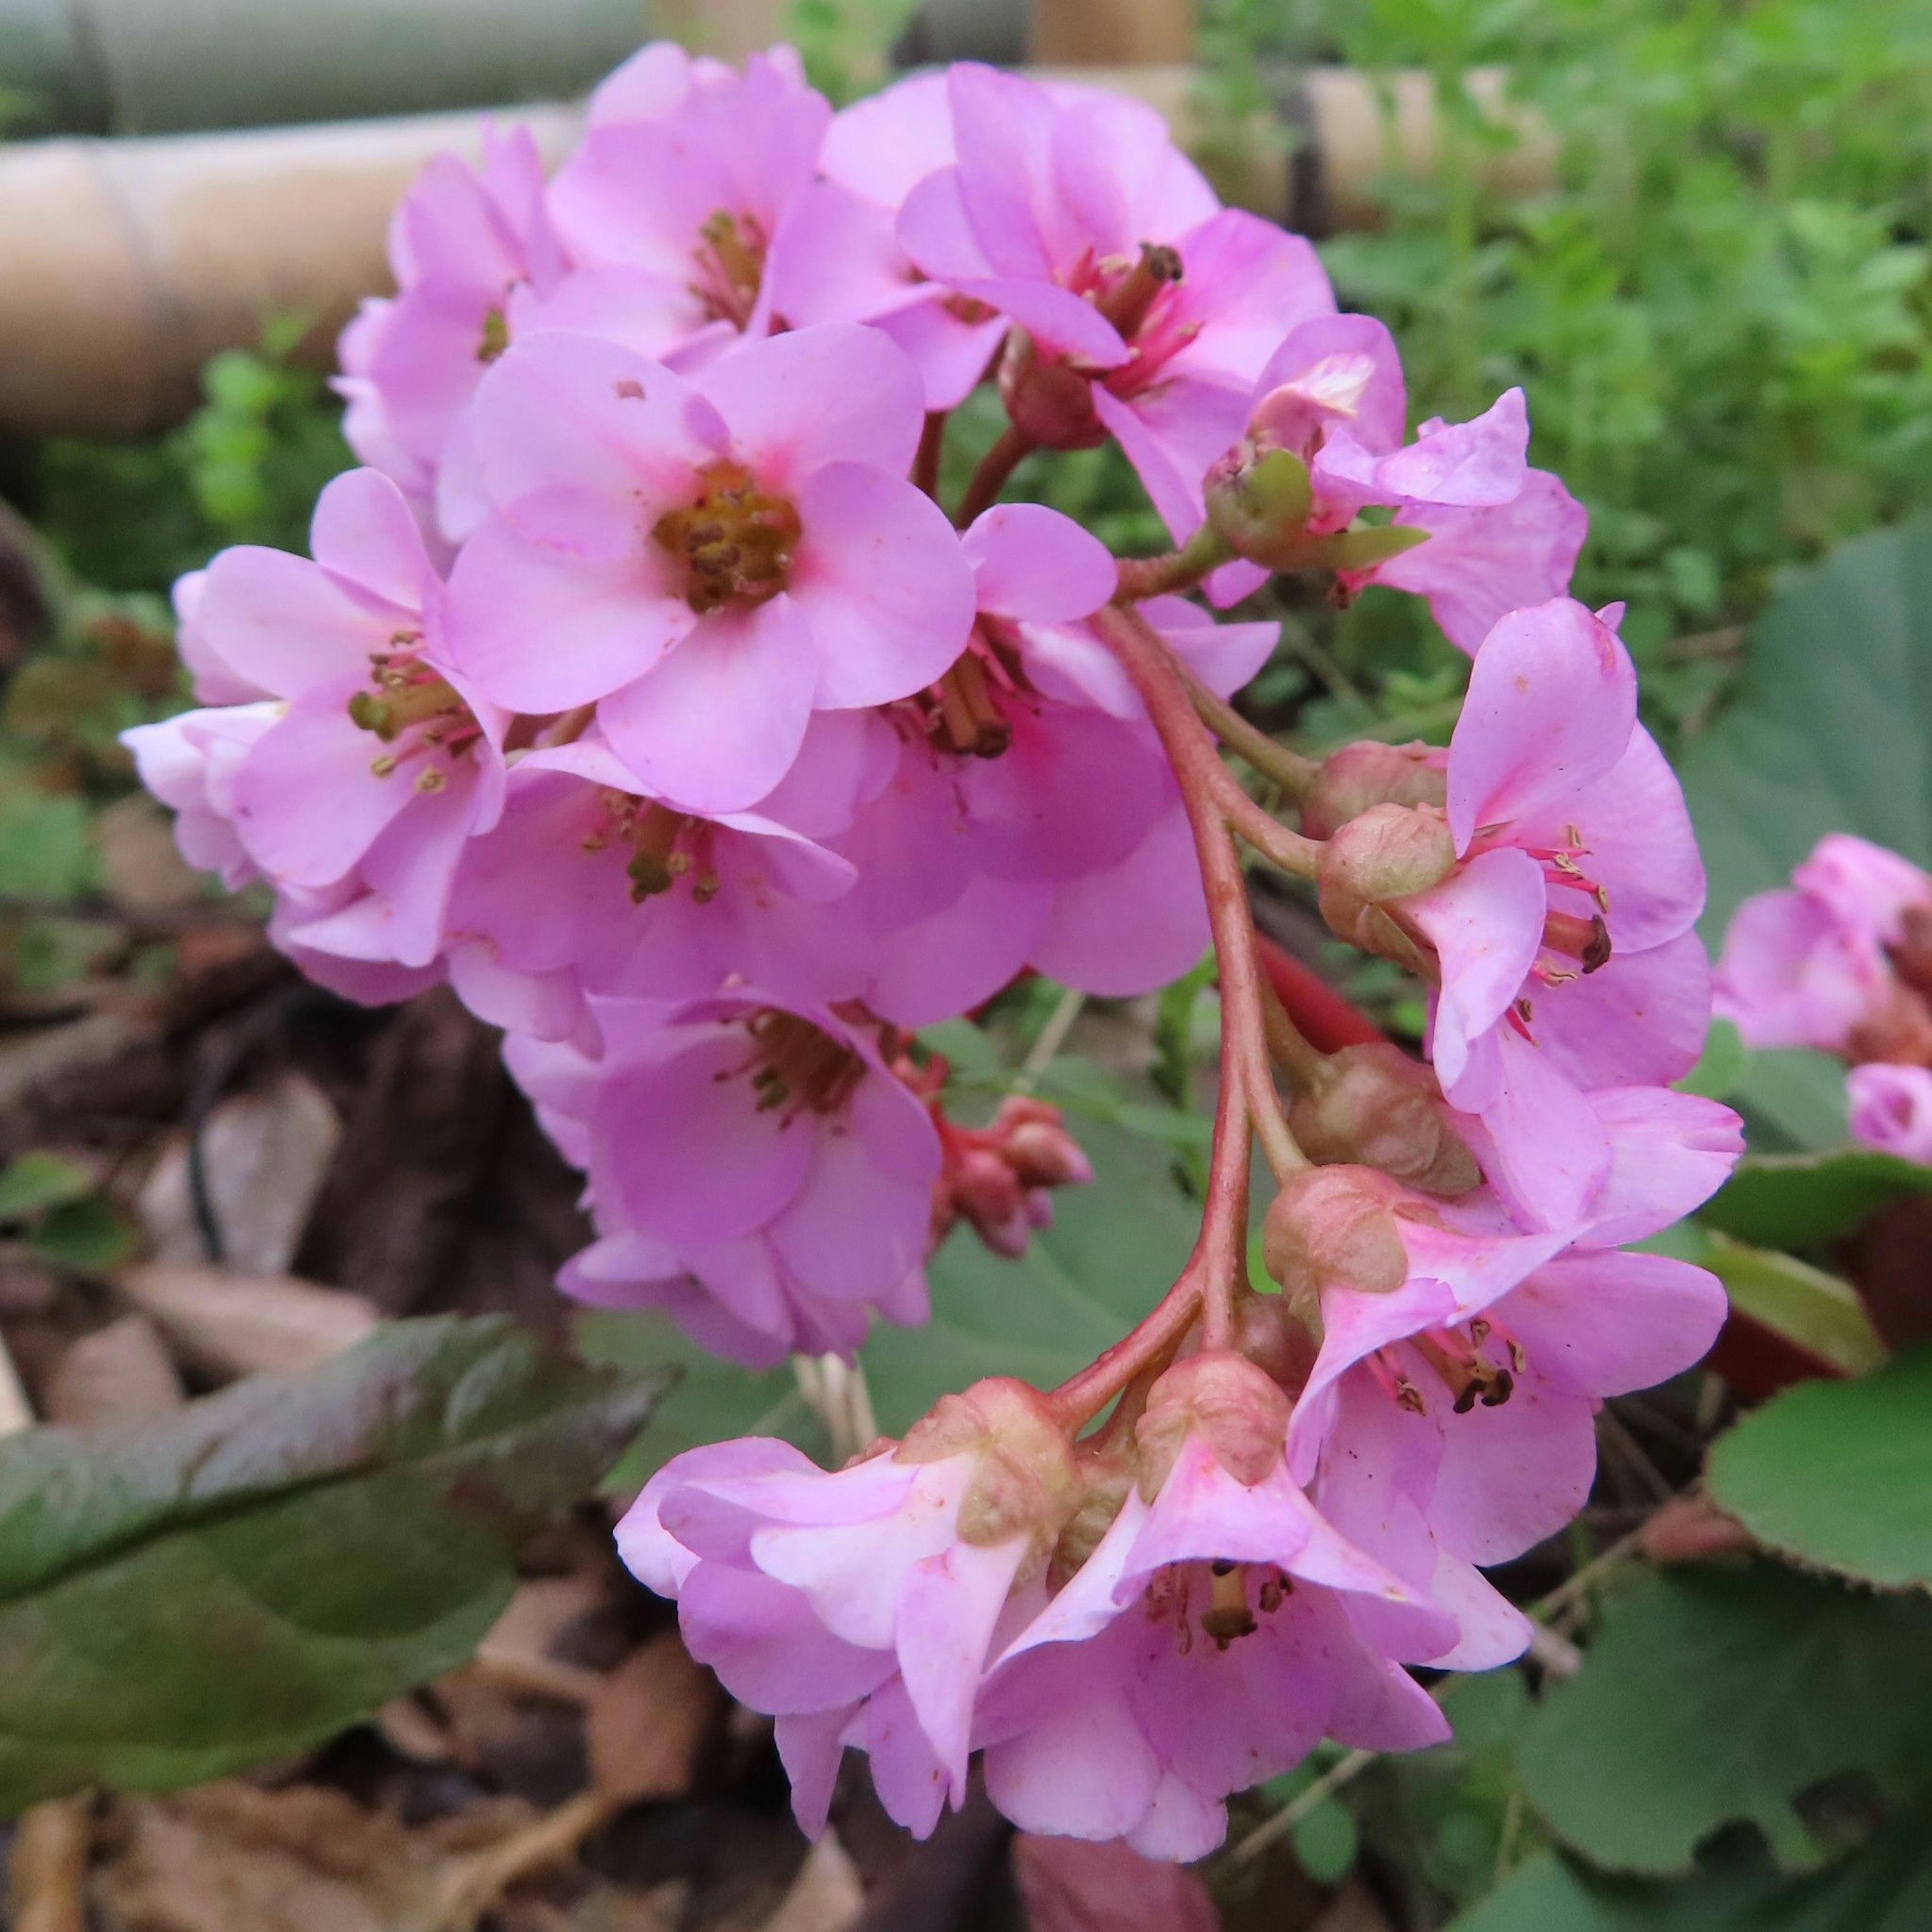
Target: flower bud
[(1280, 1337), (1389, 852), (1238, 1408), (1373, 1106), (1105, 1479), (1259, 502), (1334, 1228), (1026, 1480), (1359, 776), (1049, 402)]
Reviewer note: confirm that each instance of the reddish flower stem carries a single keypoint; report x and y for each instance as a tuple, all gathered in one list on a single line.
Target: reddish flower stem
[(990, 478), (932, 444)]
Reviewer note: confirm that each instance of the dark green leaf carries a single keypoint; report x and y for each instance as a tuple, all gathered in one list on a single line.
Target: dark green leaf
[(1792, 1099), (1839, 1474), (1717, 1694), (1827, 730), (1803, 1200), (34, 1181), (185, 1599), (1816, 1310), (92, 1235)]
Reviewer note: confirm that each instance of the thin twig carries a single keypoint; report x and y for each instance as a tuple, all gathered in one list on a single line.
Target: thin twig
[(1052, 1037)]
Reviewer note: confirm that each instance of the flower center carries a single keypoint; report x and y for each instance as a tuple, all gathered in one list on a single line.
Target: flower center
[(414, 708), (667, 848), (1459, 1358), (730, 258), (1227, 1601), (733, 541), (496, 337), (796, 1065)]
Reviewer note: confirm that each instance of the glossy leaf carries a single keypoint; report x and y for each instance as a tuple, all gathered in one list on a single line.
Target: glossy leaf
[(1839, 1474), (1803, 1200), (1713, 1695), (228, 1585)]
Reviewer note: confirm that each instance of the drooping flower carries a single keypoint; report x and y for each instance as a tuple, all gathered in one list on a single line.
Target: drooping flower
[(859, 1607), (1212, 1637), (377, 761), (1142, 309), (1498, 535), (1001, 1177), (707, 562), (1890, 1109), (470, 249), (1554, 900), (755, 1171)]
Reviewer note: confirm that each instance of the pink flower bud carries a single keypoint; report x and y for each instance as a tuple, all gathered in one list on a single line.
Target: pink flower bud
[(1239, 1410), (1390, 852), (1373, 1106), (1048, 1156), (1258, 501), (1052, 404), (1026, 1480), (1359, 776), (1331, 1228)]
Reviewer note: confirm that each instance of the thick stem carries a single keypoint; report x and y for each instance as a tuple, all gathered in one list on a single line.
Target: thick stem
[(1206, 550), (990, 478), (1082, 1396), (932, 444), (1301, 858), (1295, 775)]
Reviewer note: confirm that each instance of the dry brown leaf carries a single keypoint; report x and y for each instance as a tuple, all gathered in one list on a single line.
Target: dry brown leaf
[(1069, 1885), (46, 1871), (228, 1858), (265, 1155), (409, 1731), (142, 870), (29, 1060), (648, 1723), (825, 1896), (121, 1373), (224, 1324)]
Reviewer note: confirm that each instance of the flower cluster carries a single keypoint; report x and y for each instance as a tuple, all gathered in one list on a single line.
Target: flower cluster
[(640, 690), (1842, 961)]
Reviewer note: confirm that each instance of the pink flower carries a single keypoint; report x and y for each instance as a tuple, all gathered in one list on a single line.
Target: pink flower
[(189, 763), (675, 200), (1147, 310), (859, 1607), (1563, 936), (1449, 1420), (999, 1177), (379, 761), (1211, 1640), (1810, 966), (710, 562), (469, 250), (1891, 1109), (755, 1171)]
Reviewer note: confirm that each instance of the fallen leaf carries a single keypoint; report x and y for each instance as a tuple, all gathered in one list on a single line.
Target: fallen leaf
[(120, 1373), (264, 1154), (225, 1323), (825, 1896), (29, 1060), (1070, 1886), (1688, 1529), (649, 1722), (46, 1871)]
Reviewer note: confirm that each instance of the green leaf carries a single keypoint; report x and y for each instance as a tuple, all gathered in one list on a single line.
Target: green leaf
[(35, 1181), (91, 1234), (229, 1584), (1839, 1474), (1803, 1200), (1885, 1885), (1721, 1066), (710, 1399), (1113, 1249), (1716, 1694), (1828, 729), (1816, 1310), (1792, 1099)]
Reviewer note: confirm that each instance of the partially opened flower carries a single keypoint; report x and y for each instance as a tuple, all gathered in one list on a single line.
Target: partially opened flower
[(380, 761), (706, 563), (755, 1171), (1208, 1641), (859, 1607), (1890, 1109), (1143, 309), (469, 248)]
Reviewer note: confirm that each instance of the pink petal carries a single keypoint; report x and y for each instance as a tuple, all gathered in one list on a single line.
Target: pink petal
[(1604, 1324), (283, 623), (540, 632), (761, 1639), (811, 1749), (881, 576), (717, 723), (364, 531), (1333, 369), (1640, 1021), (1669, 1152), (1031, 564), (1472, 464), (882, 146), (1891, 1109), (838, 393), (1551, 705)]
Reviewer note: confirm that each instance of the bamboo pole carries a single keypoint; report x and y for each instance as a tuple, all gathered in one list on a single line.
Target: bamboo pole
[(128, 263)]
